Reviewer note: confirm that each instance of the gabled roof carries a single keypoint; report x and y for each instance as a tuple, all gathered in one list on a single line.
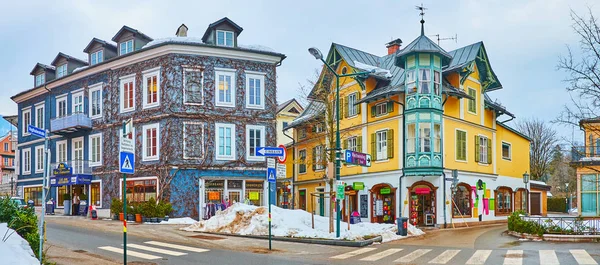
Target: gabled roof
[(283, 105), (422, 44), (495, 106), (102, 42), (464, 60), (41, 65), (136, 32), (68, 57), (12, 119), (219, 22), (313, 110), (182, 25)]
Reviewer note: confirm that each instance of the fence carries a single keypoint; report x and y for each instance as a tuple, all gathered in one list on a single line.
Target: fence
[(568, 225)]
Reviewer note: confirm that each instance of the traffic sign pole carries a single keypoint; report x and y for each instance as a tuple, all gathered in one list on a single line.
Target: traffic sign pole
[(269, 215), (124, 208), (271, 178)]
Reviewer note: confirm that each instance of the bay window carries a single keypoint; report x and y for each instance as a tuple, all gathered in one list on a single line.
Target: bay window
[(425, 137), (424, 80)]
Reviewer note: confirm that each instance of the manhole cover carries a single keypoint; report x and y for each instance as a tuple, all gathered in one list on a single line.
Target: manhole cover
[(80, 251), (208, 237)]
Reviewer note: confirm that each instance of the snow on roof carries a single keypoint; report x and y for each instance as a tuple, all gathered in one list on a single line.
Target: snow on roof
[(378, 71), (80, 68), (257, 47), (174, 39)]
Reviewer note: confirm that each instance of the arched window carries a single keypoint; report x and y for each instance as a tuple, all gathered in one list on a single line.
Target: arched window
[(503, 201), (462, 201), (521, 200)]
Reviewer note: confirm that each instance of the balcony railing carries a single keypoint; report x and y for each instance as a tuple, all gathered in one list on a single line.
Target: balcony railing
[(71, 123), (585, 154), (73, 167)]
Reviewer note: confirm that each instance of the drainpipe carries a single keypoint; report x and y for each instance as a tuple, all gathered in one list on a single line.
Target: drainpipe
[(293, 189), (444, 181)]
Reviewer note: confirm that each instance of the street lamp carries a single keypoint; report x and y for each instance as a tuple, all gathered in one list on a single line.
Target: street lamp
[(12, 183), (569, 196), (526, 180), (319, 56)]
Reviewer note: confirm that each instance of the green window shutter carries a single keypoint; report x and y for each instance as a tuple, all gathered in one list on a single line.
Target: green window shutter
[(341, 107), (359, 144), (463, 146), (314, 159), (476, 148), (346, 106), (358, 106), (390, 143), (324, 155), (390, 106), (489, 151), (373, 147), (458, 152), (373, 110), (346, 143)]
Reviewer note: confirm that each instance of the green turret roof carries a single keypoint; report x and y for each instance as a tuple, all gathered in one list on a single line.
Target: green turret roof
[(422, 44)]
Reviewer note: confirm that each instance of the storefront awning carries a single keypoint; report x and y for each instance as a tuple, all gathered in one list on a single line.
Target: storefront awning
[(67, 180)]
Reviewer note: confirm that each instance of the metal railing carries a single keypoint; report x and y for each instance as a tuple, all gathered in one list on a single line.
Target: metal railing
[(568, 225), (71, 122), (77, 167)]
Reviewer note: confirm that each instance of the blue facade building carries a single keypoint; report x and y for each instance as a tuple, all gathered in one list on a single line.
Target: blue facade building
[(200, 107)]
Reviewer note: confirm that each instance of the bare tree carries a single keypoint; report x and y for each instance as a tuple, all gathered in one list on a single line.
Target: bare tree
[(543, 139)]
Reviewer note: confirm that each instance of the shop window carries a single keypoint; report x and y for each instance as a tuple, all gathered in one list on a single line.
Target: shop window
[(141, 190), (590, 195), (503, 201), (95, 195), (462, 201), (302, 199), (34, 194), (521, 200), (383, 204), (60, 191), (254, 192)]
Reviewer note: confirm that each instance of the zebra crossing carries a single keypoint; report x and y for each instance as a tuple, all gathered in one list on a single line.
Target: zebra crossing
[(153, 249), (469, 256)]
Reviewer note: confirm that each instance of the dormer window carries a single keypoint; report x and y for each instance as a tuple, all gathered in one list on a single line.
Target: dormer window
[(61, 71), (40, 79), (97, 57), (126, 47), (224, 38)]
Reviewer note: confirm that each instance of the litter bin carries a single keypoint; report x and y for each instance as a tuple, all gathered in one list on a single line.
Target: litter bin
[(50, 208), (402, 226)]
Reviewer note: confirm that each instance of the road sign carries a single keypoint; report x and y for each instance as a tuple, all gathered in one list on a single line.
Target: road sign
[(126, 163), (284, 156), (356, 158), (36, 131), (281, 171), (271, 171), (269, 151), (340, 191)]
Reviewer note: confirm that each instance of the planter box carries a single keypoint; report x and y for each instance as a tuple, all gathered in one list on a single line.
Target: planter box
[(67, 204)]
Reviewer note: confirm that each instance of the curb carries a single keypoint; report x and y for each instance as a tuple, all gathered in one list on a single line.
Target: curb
[(557, 238), (330, 242)]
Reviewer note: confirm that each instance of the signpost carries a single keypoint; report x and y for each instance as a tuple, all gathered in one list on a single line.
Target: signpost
[(282, 159), (270, 151), (356, 158), (281, 171), (271, 177), (126, 166), (42, 134)]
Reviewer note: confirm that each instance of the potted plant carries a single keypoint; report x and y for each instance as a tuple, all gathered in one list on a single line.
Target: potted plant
[(67, 203), (116, 208), (130, 212), (137, 209), (152, 210), (165, 209)]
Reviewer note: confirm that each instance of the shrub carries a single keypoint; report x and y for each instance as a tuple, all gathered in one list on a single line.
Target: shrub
[(116, 206), (557, 205), (517, 224), (23, 221), (164, 208), (67, 197)]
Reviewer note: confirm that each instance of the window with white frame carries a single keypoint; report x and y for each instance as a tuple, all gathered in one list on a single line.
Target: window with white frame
[(382, 153), (40, 79), (61, 106), (411, 139), (125, 47), (411, 84), (437, 83), (61, 71), (77, 155), (6, 162), (319, 127), (151, 142), (225, 141), (425, 137), (506, 151), (319, 157), (193, 140), (96, 101), (225, 88), (483, 150), (424, 80), (193, 86), (61, 151), (39, 159), (27, 161), (78, 102), (352, 109), (302, 166), (127, 92), (151, 82), (255, 91), (255, 137), (381, 109), (95, 149), (39, 116), (353, 144), (26, 117), (225, 38), (96, 57)]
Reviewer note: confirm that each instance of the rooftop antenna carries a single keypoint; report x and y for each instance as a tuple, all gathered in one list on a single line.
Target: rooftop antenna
[(455, 38), (422, 14)]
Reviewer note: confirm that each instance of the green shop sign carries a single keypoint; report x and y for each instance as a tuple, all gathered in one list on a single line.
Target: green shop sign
[(358, 185), (385, 191)]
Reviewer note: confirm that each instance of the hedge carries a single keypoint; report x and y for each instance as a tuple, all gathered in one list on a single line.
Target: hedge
[(557, 205)]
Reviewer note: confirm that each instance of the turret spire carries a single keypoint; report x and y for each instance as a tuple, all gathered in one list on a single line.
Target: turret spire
[(422, 13)]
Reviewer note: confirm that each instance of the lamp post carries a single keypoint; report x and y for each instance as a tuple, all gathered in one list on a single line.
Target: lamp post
[(319, 56), (568, 196), (526, 180), (12, 184)]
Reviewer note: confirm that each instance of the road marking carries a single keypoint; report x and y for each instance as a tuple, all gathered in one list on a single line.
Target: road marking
[(514, 257), (353, 253), (479, 257), (180, 247), (445, 256), (548, 257), (130, 253), (413, 255), (382, 254), (583, 257), (158, 250)]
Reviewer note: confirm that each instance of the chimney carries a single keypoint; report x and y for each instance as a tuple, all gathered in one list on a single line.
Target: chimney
[(393, 46), (182, 31)]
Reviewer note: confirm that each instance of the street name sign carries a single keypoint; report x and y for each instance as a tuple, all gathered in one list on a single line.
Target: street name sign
[(36, 131), (269, 151), (356, 158)]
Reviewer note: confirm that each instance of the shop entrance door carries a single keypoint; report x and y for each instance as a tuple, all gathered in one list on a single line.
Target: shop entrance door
[(422, 205), (234, 196), (302, 199), (536, 202), (321, 202)]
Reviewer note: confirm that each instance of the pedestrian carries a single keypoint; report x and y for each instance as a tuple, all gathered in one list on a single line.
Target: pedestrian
[(75, 204)]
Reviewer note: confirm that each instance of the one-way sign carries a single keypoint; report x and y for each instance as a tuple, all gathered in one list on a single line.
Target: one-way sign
[(269, 151)]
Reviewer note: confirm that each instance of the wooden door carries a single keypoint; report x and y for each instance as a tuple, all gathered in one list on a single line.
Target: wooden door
[(536, 203)]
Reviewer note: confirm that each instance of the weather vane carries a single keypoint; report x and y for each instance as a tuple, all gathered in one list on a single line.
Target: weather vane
[(422, 9)]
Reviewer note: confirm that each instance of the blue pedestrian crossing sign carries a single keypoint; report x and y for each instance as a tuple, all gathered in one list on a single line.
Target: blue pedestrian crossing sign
[(271, 175), (126, 162)]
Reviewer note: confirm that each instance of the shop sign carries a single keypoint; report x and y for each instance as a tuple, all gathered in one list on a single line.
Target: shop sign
[(214, 195), (254, 185), (385, 191), (253, 196), (422, 190), (62, 169), (234, 184), (215, 184), (358, 185)]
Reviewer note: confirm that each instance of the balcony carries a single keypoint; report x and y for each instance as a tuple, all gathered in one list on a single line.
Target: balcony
[(71, 123), (585, 155), (71, 167)]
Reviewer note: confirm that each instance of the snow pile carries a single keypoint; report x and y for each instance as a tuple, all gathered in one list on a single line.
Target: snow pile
[(177, 221), (257, 47), (245, 219), (15, 250), (193, 40), (378, 71)]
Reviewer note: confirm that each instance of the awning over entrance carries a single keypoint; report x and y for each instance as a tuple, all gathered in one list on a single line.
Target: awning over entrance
[(79, 179)]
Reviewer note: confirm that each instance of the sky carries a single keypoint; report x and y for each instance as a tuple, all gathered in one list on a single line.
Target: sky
[(523, 39)]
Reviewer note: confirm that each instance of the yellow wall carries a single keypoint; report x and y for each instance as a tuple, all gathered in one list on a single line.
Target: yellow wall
[(519, 162), (450, 126), (310, 188)]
